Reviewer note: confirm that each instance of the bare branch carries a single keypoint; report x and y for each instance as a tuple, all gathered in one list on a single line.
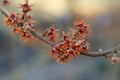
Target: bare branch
[(4, 11), (103, 53)]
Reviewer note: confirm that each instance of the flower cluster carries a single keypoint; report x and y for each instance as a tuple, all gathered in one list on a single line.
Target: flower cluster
[(72, 44), (21, 23), (52, 34)]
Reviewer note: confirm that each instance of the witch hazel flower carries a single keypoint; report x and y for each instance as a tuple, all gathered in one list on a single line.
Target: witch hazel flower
[(70, 46), (82, 29), (10, 20), (81, 46), (52, 34), (21, 23), (68, 49), (26, 7), (65, 52)]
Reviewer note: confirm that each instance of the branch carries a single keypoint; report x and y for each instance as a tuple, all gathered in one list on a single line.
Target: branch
[(4, 11), (35, 33), (103, 53), (39, 36), (90, 54)]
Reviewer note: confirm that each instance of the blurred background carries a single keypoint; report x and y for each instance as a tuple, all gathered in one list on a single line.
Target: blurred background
[(31, 61)]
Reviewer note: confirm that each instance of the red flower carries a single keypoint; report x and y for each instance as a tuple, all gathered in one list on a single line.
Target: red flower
[(79, 23), (82, 29), (81, 46), (52, 34), (10, 20), (26, 7), (68, 49), (24, 34)]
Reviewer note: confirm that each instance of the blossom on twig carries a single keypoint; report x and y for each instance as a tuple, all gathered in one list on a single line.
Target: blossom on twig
[(52, 34)]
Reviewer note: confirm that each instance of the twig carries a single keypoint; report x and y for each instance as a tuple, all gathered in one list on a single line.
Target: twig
[(4, 11), (103, 53), (90, 54), (39, 36)]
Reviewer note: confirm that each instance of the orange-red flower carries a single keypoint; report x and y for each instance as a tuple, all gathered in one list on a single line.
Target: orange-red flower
[(82, 29), (68, 48), (9, 21), (71, 44), (25, 35), (26, 7), (52, 34), (79, 23), (80, 46), (20, 26), (60, 51), (65, 52)]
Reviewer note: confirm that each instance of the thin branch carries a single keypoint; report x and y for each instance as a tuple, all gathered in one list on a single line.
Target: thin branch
[(39, 36), (4, 11), (90, 54), (103, 53)]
